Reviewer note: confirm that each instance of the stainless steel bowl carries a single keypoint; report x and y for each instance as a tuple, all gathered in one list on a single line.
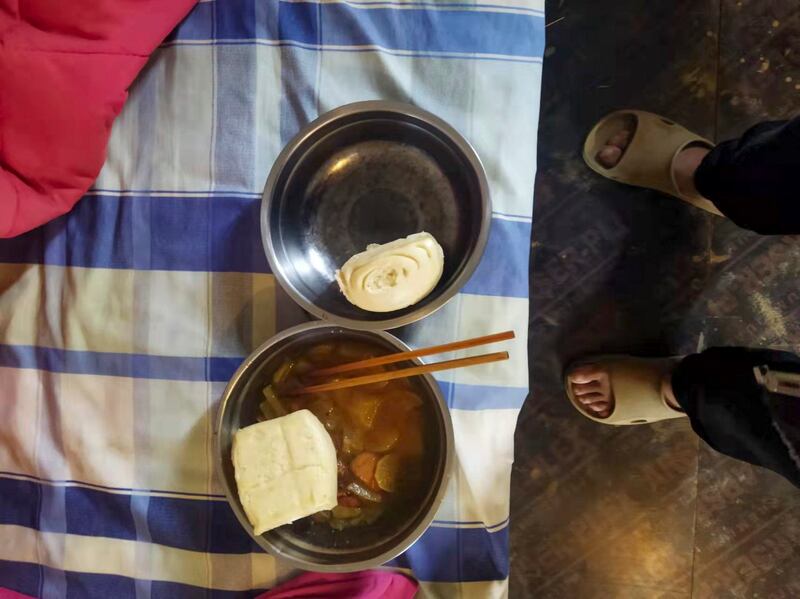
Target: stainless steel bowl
[(315, 547), (372, 172)]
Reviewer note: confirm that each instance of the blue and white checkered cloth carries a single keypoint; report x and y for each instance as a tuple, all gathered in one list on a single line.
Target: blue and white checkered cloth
[(121, 322)]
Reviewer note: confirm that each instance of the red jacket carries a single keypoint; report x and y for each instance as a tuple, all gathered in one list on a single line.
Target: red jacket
[(65, 68)]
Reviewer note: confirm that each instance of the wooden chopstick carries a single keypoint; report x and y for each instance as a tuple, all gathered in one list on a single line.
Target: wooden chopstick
[(402, 373), (414, 353)]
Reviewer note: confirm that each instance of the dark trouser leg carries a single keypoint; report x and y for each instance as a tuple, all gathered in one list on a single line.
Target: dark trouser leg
[(731, 412), (755, 180)]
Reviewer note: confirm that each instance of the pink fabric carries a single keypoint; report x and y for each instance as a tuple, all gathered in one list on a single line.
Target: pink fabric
[(65, 68), (6, 594), (369, 584)]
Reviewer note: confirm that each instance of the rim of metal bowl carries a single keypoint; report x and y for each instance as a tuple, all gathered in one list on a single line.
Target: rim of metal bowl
[(232, 496), (325, 120)]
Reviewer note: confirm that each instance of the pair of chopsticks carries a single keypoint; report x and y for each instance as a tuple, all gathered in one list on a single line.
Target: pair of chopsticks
[(406, 372)]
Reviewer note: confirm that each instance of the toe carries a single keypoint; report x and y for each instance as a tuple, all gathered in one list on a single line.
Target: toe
[(599, 407), (585, 373), (604, 413), (591, 387), (620, 139), (592, 398), (609, 156), (595, 404)]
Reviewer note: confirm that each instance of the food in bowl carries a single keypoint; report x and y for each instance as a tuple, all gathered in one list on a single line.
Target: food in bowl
[(394, 275), (285, 469), (378, 432), (313, 545)]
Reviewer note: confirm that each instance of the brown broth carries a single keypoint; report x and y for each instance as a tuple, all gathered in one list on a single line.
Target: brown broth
[(377, 430)]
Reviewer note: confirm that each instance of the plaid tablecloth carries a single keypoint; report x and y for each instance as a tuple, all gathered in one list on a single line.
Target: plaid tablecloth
[(121, 322)]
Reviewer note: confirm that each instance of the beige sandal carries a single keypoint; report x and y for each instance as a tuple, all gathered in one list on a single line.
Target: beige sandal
[(647, 160), (636, 388)]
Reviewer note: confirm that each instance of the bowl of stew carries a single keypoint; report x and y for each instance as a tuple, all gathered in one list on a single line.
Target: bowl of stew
[(393, 440)]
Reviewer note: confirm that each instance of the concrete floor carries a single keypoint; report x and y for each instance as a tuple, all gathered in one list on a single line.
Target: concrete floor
[(651, 511)]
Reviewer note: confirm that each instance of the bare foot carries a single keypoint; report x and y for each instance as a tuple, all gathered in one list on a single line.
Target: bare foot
[(591, 387), (685, 164), (611, 153)]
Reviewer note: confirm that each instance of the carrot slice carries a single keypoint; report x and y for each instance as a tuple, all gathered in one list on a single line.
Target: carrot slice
[(363, 466)]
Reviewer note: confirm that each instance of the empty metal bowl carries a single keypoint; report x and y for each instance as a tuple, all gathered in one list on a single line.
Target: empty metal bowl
[(372, 172), (315, 546)]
